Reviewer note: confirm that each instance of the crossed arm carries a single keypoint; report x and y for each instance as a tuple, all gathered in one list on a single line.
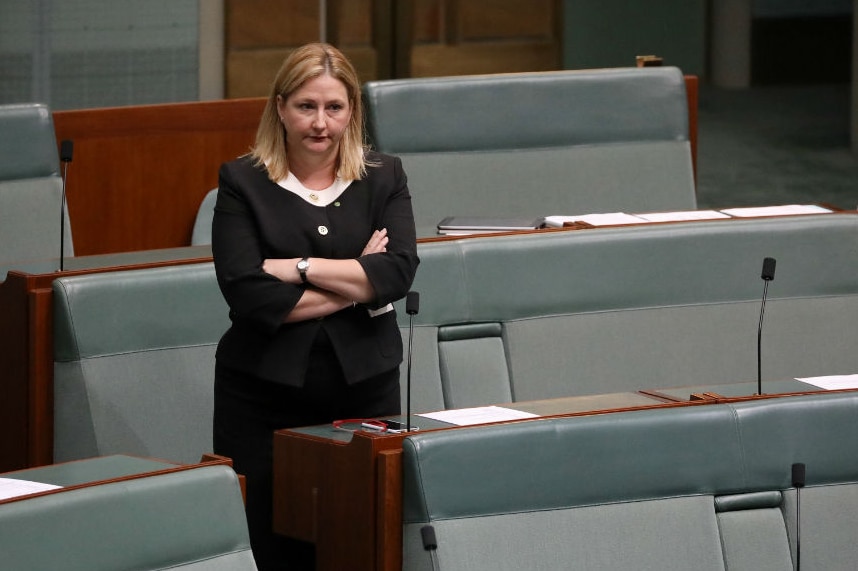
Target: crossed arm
[(332, 284)]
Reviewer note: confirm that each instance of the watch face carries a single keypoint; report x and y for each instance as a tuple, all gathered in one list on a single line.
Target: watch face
[(303, 264)]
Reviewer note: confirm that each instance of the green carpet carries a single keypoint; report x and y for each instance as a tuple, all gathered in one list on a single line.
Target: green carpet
[(776, 145)]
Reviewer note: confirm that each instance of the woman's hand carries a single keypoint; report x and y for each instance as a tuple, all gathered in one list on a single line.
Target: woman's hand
[(377, 243), (344, 278), (284, 269)]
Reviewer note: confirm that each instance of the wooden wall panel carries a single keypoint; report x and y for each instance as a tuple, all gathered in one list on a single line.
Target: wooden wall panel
[(261, 34), (252, 24), (512, 19), (251, 72), (457, 37), (393, 38), (139, 173), (428, 21), (440, 60), (353, 23)]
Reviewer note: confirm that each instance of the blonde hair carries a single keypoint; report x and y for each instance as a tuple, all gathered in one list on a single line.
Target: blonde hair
[(305, 63)]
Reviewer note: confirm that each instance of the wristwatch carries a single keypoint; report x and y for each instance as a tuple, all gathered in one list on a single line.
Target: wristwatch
[(303, 266)]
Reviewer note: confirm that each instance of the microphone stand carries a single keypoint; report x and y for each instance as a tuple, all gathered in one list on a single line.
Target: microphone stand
[(798, 482), (408, 382), (767, 275), (760, 342), (65, 157), (412, 304)]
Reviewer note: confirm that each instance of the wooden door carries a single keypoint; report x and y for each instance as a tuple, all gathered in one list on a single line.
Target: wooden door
[(455, 37), (261, 33), (392, 38)]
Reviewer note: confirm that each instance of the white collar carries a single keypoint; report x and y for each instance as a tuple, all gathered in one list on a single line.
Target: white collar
[(315, 197)]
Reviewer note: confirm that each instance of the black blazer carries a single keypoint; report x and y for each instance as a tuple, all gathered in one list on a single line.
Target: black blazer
[(255, 218)]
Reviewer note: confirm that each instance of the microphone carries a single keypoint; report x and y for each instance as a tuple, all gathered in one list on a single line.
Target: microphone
[(798, 474), (412, 306), (66, 150), (427, 534), (412, 303), (798, 481), (430, 543), (768, 274)]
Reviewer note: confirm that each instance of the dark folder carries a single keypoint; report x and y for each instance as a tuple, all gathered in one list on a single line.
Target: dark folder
[(477, 224)]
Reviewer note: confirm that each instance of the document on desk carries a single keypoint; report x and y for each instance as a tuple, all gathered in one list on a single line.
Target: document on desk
[(832, 382), (12, 488), (478, 415), (605, 219), (785, 210), (682, 216)]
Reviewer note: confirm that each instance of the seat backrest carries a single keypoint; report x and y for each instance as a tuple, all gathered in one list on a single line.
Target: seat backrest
[(553, 494), (134, 362), (693, 487), (537, 144), (555, 314), (202, 232), (31, 206), (190, 519), (821, 432)]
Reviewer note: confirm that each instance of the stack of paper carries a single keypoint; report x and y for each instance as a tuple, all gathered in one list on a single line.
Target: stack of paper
[(606, 219), (478, 415), (833, 382), (786, 210), (683, 215)]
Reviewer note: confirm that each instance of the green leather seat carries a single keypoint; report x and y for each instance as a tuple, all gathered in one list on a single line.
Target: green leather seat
[(537, 144), (31, 211), (554, 314), (190, 519), (695, 487), (202, 231), (134, 362)]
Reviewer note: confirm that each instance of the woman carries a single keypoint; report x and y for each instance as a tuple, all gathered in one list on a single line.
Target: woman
[(313, 238)]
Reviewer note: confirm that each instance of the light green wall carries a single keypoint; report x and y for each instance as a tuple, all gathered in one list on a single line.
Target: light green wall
[(98, 53)]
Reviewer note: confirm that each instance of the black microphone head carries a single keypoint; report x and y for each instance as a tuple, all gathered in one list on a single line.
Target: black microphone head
[(427, 533), (798, 475), (768, 269), (66, 149), (412, 303)]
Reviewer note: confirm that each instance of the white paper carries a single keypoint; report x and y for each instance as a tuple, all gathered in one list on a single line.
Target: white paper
[(12, 488), (833, 382), (606, 219), (786, 210), (682, 215), (478, 415)]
